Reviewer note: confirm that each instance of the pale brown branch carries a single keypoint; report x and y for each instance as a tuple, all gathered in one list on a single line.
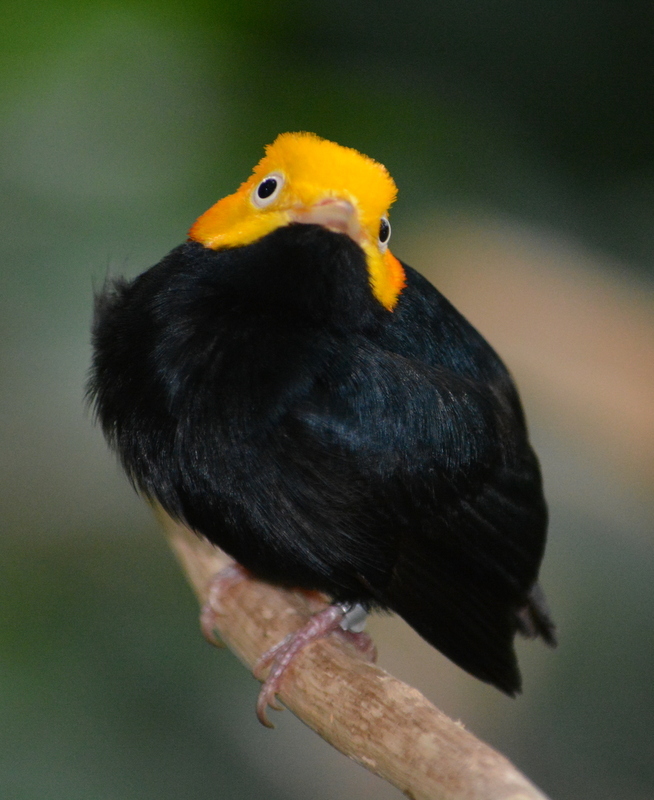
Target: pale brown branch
[(364, 712)]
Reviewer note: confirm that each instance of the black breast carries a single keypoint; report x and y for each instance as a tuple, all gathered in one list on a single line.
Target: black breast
[(265, 397)]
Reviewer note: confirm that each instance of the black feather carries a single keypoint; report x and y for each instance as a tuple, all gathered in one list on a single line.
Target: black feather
[(263, 395)]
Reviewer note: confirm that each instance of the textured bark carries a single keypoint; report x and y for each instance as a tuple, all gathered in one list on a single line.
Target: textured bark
[(367, 714)]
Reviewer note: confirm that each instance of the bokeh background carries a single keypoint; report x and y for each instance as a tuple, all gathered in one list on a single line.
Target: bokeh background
[(521, 136)]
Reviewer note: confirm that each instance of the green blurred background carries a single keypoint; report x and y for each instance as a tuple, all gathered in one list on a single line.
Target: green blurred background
[(521, 137)]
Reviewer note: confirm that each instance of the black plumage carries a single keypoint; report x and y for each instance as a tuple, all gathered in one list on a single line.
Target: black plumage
[(265, 397)]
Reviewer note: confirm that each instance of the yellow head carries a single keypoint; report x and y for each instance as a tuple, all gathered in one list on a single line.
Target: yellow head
[(303, 178)]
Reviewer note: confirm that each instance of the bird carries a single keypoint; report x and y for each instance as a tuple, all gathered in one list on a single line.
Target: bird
[(291, 391)]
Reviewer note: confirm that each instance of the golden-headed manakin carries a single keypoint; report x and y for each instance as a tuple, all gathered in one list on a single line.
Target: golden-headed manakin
[(294, 393)]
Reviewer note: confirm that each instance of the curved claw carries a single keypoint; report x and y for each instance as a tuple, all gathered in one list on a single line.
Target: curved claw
[(282, 654), (267, 699)]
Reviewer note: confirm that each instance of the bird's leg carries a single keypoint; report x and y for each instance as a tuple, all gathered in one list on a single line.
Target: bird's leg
[(351, 629), (220, 583), (345, 619)]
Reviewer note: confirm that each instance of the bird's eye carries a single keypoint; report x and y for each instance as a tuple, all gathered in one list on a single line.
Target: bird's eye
[(384, 231), (268, 190)]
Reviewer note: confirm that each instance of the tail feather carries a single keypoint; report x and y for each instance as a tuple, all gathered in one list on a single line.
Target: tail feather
[(460, 618), (534, 618)]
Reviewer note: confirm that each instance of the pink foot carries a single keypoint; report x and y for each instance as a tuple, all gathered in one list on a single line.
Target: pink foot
[(362, 642), (330, 620), (222, 582), (351, 630)]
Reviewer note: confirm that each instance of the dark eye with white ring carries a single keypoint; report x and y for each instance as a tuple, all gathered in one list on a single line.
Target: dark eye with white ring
[(384, 231), (267, 191)]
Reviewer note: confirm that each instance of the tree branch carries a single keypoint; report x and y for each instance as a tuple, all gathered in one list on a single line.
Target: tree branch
[(367, 714)]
